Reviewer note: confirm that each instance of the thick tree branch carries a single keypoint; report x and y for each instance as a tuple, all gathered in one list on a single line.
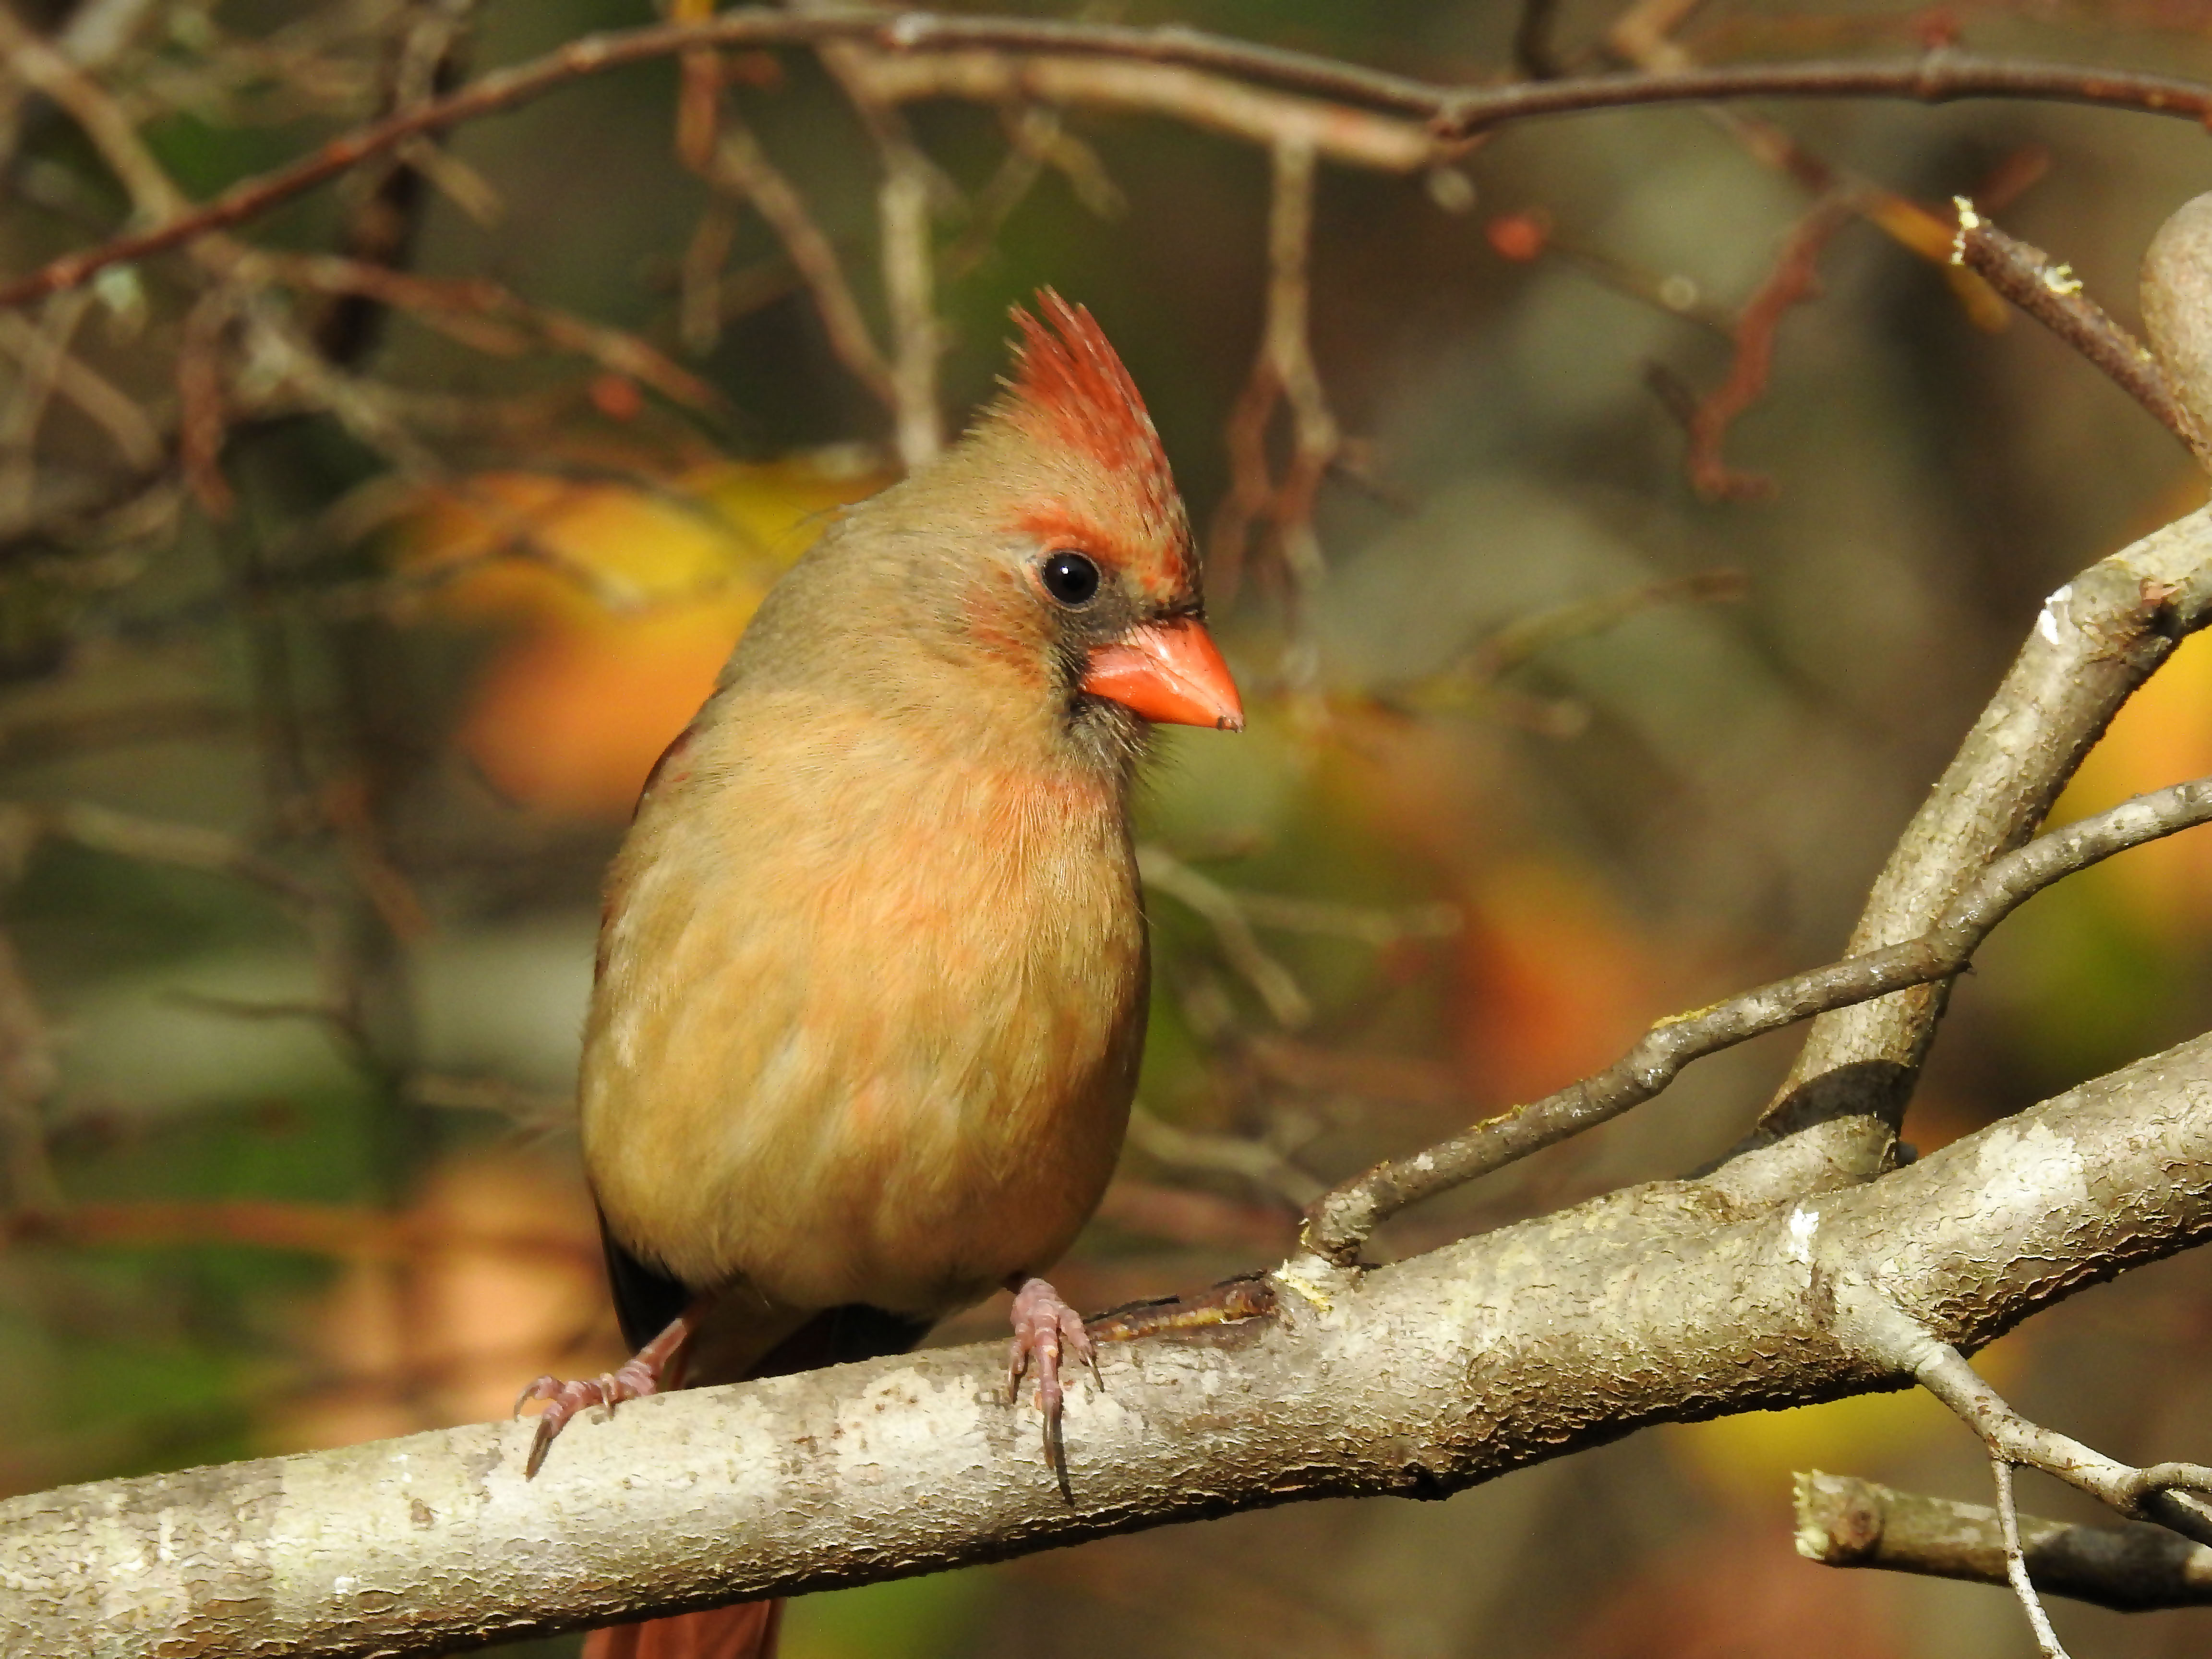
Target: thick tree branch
[(1453, 111), (1663, 1302)]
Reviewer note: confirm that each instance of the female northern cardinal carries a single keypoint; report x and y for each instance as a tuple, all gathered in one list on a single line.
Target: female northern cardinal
[(871, 980)]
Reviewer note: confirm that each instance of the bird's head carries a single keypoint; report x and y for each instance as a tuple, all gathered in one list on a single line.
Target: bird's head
[(1039, 575), (1058, 550)]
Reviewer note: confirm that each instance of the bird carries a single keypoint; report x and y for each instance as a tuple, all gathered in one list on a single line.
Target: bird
[(872, 969)]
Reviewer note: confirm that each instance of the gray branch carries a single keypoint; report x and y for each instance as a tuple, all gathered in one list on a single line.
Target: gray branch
[(1843, 1521), (1664, 1302), (1341, 1220)]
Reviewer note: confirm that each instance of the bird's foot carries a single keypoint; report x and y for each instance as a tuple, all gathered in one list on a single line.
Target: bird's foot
[(1045, 1329), (646, 1371)]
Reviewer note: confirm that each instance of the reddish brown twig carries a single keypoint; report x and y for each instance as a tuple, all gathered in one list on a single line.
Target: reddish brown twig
[(2052, 295), (1794, 278), (1455, 112)]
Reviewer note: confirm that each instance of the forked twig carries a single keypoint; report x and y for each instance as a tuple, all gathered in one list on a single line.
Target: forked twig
[(1342, 1221)]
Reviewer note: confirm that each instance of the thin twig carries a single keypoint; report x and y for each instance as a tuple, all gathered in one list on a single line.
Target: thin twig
[(1865, 1317), (1794, 278), (1222, 911), (1254, 1161), (2133, 1567), (436, 299), (101, 117), (1341, 1222), (1533, 49), (1283, 372), (2015, 1560), (28, 1075), (2052, 294), (1211, 102), (742, 168), (1454, 111)]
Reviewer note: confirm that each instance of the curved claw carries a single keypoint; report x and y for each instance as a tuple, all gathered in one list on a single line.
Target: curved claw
[(641, 1374), (1045, 1329)]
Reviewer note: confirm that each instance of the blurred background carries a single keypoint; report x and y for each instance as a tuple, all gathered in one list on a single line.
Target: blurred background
[(357, 570)]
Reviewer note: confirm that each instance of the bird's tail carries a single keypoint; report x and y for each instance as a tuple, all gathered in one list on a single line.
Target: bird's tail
[(835, 1336), (747, 1631)]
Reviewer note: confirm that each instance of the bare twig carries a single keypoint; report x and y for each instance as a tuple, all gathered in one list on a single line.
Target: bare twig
[(423, 59), (1214, 102), (1843, 1521), (1340, 1222), (44, 351), (741, 168), (2015, 1560), (906, 253), (440, 302), (1254, 1161), (1794, 279), (275, 1224), (1533, 49), (1283, 371), (2052, 295), (1454, 112), (41, 358), (1232, 930), (28, 1077), (2098, 638), (1871, 1319), (35, 61)]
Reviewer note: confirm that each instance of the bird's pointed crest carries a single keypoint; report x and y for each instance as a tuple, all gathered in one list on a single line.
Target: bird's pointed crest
[(1070, 387)]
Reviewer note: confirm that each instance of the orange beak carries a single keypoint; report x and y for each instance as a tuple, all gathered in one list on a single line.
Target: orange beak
[(1169, 672)]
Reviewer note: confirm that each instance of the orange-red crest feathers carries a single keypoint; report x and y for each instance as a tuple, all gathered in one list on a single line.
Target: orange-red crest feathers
[(1070, 388)]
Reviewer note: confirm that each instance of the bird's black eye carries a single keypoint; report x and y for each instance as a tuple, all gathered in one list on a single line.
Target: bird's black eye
[(1071, 578)]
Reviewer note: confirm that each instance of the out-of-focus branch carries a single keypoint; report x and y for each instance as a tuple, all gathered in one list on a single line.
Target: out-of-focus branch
[(906, 252), (1253, 1162), (1342, 1221), (741, 168), (32, 59), (2052, 295), (1453, 113), (424, 59), (1284, 373), (1794, 278), (269, 1224), (28, 1074), (1215, 102), (1843, 1522), (41, 358), (1232, 930), (1534, 50), (455, 303)]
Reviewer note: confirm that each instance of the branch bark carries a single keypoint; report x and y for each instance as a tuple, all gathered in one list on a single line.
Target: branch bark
[(1342, 1221), (2097, 639), (1843, 1522), (1669, 1302)]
